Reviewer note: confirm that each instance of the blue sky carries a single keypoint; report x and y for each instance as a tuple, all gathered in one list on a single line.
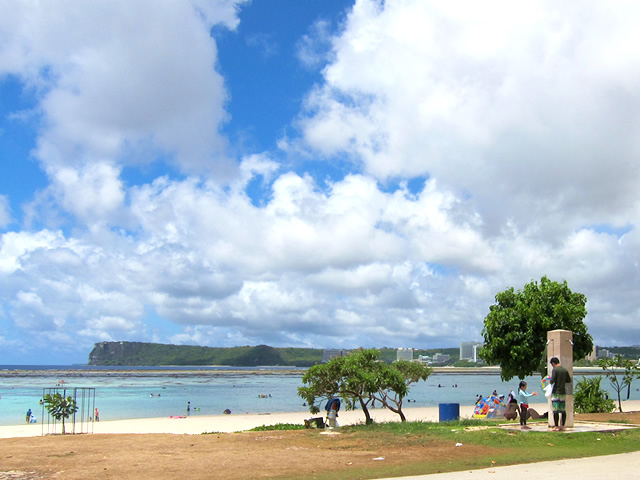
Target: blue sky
[(315, 174)]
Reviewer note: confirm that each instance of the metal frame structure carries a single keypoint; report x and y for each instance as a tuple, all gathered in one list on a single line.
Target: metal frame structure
[(79, 422)]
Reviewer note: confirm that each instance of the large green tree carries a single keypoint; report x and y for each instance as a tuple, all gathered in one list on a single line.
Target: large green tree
[(359, 378), (515, 330)]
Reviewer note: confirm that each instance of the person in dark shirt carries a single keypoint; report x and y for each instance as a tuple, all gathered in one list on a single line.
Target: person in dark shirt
[(560, 378)]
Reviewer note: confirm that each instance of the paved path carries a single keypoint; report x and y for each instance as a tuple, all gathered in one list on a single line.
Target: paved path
[(622, 466)]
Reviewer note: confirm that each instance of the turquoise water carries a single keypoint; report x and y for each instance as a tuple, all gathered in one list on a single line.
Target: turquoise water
[(163, 392)]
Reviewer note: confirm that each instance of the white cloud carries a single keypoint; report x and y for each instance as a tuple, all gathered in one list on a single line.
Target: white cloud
[(312, 49), (520, 120), (115, 78), (5, 211), (92, 192), (531, 102)]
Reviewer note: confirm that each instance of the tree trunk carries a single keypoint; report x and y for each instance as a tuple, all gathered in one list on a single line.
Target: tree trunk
[(397, 410), (619, 401), (368, 420)]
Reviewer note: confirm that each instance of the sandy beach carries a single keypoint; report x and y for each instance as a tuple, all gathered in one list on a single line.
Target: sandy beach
[(198, 424), (159, 448)]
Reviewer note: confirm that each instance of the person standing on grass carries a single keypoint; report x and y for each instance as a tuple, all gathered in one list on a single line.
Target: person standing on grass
[(560, 378), (523, 397), (332, 407)]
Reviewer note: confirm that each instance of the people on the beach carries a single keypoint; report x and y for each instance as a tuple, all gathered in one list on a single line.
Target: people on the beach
[(28, 415), (560, 378), (524, 396), (188, 408), (96, 414), (332, 407)]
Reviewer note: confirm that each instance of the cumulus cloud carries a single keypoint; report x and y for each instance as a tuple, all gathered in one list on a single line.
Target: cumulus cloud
[(520, 121), (531, 102), (110, 83)]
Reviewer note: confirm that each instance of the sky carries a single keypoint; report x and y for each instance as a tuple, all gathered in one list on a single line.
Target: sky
[(298, 173)]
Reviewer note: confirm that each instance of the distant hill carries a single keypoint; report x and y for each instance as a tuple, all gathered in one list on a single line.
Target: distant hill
[(156, 354)]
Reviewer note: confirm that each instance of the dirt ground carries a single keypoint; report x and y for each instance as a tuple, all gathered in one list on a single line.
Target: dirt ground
[(232, 456)]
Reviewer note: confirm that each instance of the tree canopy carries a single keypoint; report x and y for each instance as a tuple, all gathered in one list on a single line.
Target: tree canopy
[(359, 378), (515, 330)]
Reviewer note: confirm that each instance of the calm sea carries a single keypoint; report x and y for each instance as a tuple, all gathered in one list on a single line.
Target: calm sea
[(143, 392)]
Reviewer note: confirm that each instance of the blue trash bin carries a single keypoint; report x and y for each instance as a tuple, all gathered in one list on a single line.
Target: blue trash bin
[(449, 411)]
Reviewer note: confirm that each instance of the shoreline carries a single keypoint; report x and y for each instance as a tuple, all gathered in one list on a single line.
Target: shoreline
[(209, 370), (199, 424)]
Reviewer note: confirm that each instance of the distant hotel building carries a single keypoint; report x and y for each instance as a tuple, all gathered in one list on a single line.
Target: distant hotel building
[(332, 353), (603, 353), (469, 351), (440, 358), (437, 359), (405, 354)]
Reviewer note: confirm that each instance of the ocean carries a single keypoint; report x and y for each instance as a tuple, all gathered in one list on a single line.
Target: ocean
[(146, 392)]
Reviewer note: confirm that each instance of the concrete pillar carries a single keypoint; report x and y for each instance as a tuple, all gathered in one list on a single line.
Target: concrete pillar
[(560, 344)]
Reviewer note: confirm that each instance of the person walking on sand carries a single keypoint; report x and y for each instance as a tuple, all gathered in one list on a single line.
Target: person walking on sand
[(560, 378), (523, 397), (96, 414), (29, 415)]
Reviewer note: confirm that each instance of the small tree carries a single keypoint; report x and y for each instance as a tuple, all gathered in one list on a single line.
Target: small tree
[(619, 380), (352, 377), (590, 398), (60, 407), (395, 381), (515, 330), (360, 378)]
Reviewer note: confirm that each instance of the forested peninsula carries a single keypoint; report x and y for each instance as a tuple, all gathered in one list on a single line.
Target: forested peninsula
[(156, 354)]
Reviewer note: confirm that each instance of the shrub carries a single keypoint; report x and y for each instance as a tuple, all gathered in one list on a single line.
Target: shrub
[(590, 398)]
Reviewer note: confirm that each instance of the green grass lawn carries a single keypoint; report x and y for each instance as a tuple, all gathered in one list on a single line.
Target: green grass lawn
[(503, 447)]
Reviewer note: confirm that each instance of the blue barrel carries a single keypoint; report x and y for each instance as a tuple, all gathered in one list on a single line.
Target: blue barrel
[(449, 411)]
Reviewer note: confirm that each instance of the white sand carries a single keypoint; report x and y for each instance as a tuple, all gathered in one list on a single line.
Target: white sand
[(197, 424)]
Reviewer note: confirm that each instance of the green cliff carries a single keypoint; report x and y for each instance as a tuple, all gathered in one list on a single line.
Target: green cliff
[(152, 354), (155, 354)]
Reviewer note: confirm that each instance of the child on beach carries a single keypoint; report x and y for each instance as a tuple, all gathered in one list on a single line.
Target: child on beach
[(523, 397)]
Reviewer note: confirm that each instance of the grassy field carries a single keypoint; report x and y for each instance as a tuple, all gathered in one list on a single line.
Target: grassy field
[(355, 452), (467, 445)]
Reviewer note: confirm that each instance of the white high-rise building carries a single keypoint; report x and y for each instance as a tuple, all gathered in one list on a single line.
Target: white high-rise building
[(405, 354), (469, 351)]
